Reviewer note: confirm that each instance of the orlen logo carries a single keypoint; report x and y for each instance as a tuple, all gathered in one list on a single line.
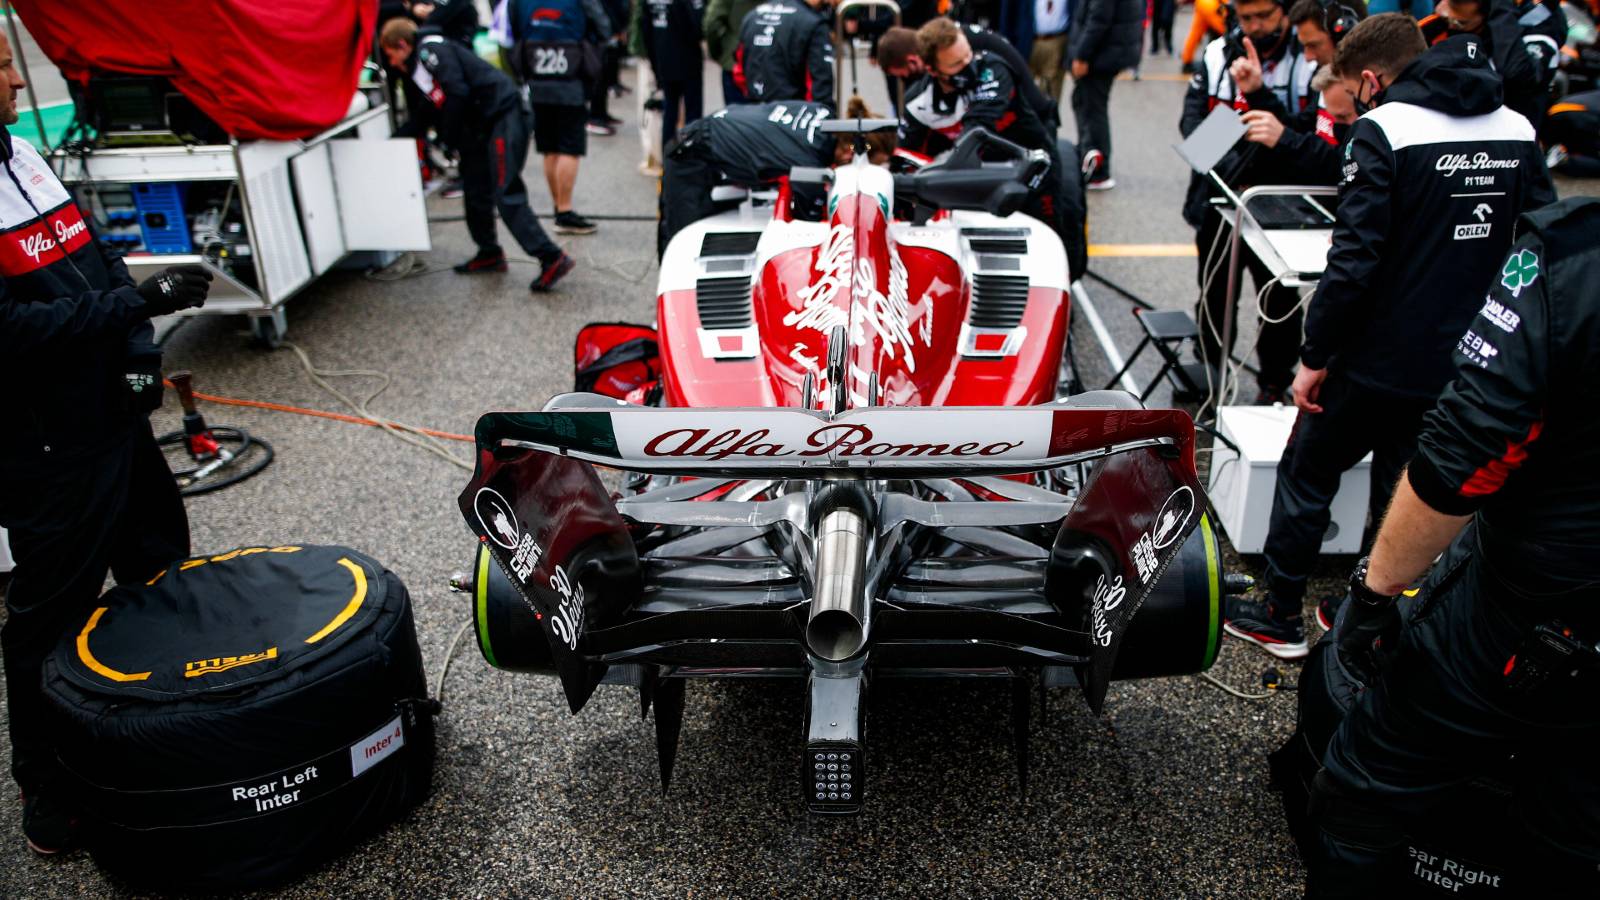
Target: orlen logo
[(1451, 163), (846, 440)]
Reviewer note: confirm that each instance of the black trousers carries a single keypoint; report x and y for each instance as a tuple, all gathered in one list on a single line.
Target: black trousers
[(1443, 714), (689, 94), (67, 527), (1277, 344), (1091, 99), (1162, 14), (1354, 421), (491, 179), (687, 176)]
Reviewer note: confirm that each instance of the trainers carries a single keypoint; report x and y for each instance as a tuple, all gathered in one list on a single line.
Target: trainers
[(49, 826), (452, 189), (1255, 621), (1092, 160), (598, 127), (1103, 184), (1328, 610), (485, 261), (553, 271), (570, 222)]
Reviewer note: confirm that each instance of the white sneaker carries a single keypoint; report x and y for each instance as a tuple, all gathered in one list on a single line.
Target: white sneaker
[(1104, 184)]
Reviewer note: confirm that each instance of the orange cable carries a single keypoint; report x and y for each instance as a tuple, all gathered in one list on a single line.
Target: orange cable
[(323, 414)]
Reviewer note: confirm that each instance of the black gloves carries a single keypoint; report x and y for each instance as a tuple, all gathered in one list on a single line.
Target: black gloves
[(142, 372), (1368, 628), (175, 288)]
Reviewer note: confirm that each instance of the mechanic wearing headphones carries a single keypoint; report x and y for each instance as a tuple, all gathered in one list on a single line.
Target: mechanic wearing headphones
[(476, 109), (785, 52), (1499, 659), (83, 486), (900, 57), (1303, 147), (1434, 179), (964, 89), (1267, 60), (1523, 38), (750, 145)]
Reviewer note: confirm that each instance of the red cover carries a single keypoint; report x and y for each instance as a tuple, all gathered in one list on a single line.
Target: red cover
[(263, 70)]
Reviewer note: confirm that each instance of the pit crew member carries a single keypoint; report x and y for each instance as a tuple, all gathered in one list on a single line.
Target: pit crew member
[(83, 486), (900, 57), (1523, 38), (1270, 60), (750, 145), (554, 53), (478, 111), (785, 52), (1499, 661), (1303, 147), (1435, 178), (964, 89)]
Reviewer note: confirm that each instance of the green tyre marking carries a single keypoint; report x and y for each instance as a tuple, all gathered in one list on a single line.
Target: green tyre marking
[(480, 587), (1214, 586)]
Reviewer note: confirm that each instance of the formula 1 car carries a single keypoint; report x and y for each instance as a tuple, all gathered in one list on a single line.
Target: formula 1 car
[(854, 466)]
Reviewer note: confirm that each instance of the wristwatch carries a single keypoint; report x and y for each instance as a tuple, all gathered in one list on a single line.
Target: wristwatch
[(1364, 595)]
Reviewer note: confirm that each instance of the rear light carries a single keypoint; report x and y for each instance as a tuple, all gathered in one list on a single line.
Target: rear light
[(834, 778)]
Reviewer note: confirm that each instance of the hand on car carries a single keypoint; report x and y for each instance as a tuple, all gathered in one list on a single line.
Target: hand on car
[(175, 288), (1262, 128), (1246, 70)]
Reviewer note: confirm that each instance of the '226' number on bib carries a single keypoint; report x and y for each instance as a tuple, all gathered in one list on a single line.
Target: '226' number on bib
[(550, 61)]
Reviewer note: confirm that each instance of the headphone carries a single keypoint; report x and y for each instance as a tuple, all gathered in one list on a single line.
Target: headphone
[(1337, 19)]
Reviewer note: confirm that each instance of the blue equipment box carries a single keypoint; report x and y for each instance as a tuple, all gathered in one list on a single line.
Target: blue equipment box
[(161, 218)]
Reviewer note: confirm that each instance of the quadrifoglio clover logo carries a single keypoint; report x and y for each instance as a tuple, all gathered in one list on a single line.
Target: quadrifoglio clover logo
[(1521, 270)]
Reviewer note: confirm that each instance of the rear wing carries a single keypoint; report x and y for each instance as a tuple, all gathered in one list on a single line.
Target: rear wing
[(558, 534), (875, 442)]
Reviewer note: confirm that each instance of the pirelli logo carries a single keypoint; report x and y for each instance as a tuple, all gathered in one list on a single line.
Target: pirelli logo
[(224, 663)]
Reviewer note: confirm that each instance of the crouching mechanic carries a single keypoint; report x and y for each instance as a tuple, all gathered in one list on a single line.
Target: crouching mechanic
[(83, 486), (749, 145), (1498, 662), (962, 90), (478, 111)]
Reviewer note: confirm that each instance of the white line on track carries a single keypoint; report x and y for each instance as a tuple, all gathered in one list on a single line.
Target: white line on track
[(1080, 299)]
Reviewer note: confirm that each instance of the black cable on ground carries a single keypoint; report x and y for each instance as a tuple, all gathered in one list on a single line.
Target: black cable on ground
[(225, 435)]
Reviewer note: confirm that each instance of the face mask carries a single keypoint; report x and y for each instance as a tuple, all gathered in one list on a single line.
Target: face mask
[(1362, 108), (964, 79)]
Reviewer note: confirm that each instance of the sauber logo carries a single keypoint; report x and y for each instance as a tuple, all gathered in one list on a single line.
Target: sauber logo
[(1451, 163), (837, 439)]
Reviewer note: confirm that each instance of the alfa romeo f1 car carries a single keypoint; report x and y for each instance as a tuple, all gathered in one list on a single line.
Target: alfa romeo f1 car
[(854, 465)]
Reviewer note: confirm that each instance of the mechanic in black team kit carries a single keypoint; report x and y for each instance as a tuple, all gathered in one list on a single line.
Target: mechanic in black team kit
[(963, 90), (1523, 38), (785, 52), (750, 145), (1270, 64), (83, 486), (900, 57), (1499, 659), (476, 109), (1434, 179)]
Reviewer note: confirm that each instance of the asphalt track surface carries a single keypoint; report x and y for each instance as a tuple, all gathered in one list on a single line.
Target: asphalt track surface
[(1165, 795)]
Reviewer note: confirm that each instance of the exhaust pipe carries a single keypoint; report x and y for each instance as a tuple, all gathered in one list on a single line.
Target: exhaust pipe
[(837, 627)]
